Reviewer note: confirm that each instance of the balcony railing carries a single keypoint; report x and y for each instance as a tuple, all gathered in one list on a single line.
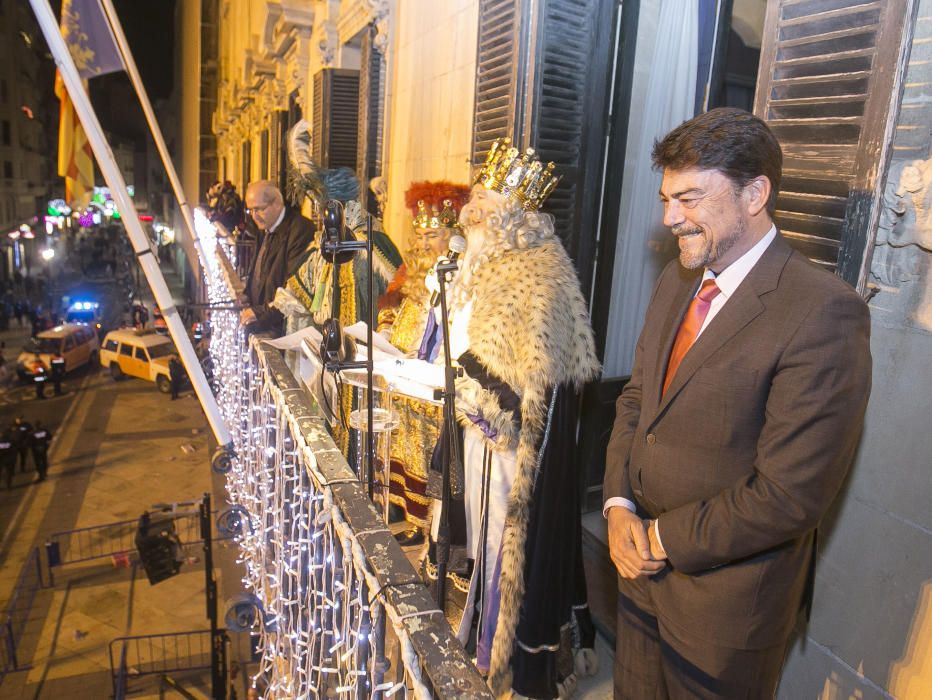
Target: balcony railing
[(341, 611)]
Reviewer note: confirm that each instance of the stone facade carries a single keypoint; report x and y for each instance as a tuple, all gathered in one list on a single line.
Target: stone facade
[(870, 636), (269, 53)]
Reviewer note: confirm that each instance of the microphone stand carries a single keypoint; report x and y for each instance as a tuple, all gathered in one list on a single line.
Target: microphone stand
[(449, 446), (333, 248)]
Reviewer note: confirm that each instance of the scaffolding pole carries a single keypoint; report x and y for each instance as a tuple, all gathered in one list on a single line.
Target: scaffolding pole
[(148, 260)]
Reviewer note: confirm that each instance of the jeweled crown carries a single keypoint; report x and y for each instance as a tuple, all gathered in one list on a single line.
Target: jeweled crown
[(520, 176), (434, 218)]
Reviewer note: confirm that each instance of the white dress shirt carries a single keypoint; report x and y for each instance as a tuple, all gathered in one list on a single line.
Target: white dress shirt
[(728, 281), (278, 221)]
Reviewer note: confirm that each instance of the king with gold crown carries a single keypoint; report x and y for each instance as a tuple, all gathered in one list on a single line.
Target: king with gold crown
[(519, 329)]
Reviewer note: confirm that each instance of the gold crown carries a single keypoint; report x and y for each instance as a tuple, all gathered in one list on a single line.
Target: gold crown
[(523, 177), (446, 218)]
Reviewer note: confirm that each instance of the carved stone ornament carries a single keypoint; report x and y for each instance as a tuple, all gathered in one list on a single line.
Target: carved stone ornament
[(327, 41), (902, 260), (380, 18)]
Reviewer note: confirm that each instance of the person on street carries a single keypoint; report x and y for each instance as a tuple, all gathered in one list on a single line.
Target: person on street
[(58, 373), (39, 443), (7, 457), (176, 374), (39, 380), (19, 436)]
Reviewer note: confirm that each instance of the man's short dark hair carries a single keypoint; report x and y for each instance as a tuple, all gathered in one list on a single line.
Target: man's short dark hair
[(732, 141)]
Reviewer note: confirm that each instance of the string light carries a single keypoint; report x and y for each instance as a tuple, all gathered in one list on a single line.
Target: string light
[(321, 634)]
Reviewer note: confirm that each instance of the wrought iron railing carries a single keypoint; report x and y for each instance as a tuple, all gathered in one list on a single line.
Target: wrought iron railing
[(150, 654), (341, 612), (17, 611)]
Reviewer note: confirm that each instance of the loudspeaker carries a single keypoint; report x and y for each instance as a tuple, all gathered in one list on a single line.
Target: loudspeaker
[(158, 547)]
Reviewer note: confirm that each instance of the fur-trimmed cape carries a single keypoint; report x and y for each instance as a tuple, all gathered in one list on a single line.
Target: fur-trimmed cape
[(529, 326)]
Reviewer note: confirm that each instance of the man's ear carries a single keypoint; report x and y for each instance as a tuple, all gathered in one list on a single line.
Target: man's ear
[(757, 192)]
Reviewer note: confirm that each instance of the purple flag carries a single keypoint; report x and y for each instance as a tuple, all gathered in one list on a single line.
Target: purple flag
[(89, 38)]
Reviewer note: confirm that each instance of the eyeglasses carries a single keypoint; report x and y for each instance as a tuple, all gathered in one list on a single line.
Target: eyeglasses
[(257, 210)]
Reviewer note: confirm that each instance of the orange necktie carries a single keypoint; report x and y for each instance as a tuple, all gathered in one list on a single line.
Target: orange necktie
[(689, 328)]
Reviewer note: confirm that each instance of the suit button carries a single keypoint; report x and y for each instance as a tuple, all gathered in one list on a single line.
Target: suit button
[(651, 438)]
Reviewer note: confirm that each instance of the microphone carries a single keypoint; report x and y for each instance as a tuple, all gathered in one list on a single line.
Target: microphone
[(334, 234), (456, 246)]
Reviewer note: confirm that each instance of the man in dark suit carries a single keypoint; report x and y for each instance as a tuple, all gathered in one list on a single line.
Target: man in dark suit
[(736, 430), (286, 236)]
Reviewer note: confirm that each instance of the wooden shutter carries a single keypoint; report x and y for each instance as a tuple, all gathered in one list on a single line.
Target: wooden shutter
[(542, 71), (246, 163), (830, 84), (496, 75), (264, 154), (371, 107), (336, 115)]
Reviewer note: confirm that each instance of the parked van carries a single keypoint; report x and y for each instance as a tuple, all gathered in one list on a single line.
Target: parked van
[(75, 342), (138, 353)]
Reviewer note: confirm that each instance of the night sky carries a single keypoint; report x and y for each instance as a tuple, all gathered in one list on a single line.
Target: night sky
[(150, 31)]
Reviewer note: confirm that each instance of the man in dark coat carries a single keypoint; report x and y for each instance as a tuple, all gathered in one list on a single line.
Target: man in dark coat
[(176, 375), (286, 236), (39, 443), (20, 433), (58, 372), (736, 430), (7, 457)]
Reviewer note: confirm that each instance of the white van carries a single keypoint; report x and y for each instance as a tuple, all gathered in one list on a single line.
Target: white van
[(76, 343), (138, 353)]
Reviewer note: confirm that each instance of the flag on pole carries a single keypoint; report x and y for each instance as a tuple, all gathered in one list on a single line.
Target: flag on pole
[(89, 38), (75, 157), (92, 46)]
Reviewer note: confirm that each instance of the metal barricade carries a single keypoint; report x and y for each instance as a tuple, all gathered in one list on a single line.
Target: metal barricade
[(339, 608), (144, 655), (111, 539), (17, 611)]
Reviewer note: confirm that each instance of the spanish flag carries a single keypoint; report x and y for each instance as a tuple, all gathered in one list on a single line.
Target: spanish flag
[(75, 158), (92, 45)]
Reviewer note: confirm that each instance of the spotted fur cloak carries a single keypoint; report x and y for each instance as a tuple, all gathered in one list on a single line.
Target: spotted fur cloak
[(529, 326)]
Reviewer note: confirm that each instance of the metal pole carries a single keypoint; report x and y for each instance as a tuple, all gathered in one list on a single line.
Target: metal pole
[(138, 239), (370, 408), (133, 72), (217, 636), (449, 444)]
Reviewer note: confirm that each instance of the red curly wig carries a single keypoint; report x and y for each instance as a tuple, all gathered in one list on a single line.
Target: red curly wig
[(433, 192)]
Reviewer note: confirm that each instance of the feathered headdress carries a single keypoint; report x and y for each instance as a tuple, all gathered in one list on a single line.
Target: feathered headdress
[(304, 175), (225, 205)]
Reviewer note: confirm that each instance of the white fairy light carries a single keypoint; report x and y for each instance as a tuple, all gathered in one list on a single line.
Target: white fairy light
[(321, 635)]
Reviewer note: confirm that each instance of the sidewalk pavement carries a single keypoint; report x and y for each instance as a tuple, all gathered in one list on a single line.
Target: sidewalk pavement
[(123, 448)]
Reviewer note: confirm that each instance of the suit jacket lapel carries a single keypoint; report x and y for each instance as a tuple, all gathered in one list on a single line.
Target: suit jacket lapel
[(743, 306)]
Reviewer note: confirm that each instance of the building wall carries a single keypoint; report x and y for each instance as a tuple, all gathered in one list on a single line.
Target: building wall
[(431, 99), (189, 70), (870, 636), (25, 154), (270, 51)]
